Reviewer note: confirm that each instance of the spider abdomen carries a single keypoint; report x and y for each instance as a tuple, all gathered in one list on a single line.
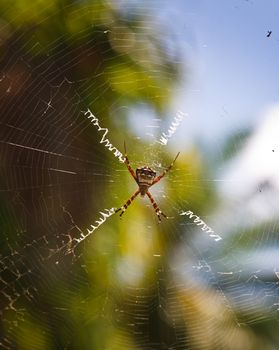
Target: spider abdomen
[(145, 178)]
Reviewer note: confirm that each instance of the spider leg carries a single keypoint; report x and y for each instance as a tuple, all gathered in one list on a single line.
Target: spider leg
[(129, 201), (155, 206), (158, 178), (129, 165)]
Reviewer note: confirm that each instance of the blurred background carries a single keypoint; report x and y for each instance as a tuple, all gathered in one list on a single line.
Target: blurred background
[(134, 283)]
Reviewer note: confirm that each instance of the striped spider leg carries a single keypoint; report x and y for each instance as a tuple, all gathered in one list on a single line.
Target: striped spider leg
[(131, 171), (155, 206), (128, 164), (129, 201), (158, 178), (145, 177)]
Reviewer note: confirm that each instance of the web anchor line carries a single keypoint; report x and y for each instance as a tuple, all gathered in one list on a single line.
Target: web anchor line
[(104, 140)]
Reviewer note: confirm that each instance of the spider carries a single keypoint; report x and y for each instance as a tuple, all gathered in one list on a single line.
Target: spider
[(145, 177)]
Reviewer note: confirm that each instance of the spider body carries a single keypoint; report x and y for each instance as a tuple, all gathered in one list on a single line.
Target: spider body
[(145, 177)]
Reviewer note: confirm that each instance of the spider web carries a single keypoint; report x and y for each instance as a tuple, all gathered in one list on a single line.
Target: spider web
[(75, 276)]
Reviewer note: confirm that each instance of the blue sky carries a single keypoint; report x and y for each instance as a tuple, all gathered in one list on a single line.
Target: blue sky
[(231, 66)]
